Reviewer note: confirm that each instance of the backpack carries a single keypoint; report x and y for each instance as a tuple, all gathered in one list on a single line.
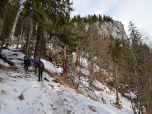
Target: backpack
[(36, 62), (29, 61), (25, 57), (41, 65)]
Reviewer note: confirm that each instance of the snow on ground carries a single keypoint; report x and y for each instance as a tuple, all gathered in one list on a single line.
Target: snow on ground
[(43, 97), (2, 62), (104, 95), (110, 96), (50, 67)]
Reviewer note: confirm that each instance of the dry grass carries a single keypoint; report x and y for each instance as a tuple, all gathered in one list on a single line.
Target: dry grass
[(63, 81), (3, 92), (15, 90), (21, 97), (51, 86), (46, 79), (96, 88), (41, 104), (1, 79), (48, 72), (92, 108), (4, 68), (30, 70), (119, 106)]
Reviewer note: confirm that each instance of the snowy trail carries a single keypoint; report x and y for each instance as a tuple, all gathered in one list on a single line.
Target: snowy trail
[(43, 97)]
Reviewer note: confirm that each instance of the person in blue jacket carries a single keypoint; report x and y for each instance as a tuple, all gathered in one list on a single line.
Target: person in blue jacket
[(30, 60), (25, 61), (36, 64)]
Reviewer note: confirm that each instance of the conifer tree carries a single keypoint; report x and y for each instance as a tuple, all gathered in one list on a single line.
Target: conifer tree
[(12, 9), (136, 45), (90, 19), (116, 51), (3, 8), (94, 18), (100, 18), (56, 11)]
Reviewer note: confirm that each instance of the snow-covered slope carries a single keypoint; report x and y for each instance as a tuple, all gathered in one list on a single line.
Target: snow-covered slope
[(43, 97)]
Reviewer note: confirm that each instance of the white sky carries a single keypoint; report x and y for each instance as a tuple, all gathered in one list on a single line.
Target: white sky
[(137, 11)]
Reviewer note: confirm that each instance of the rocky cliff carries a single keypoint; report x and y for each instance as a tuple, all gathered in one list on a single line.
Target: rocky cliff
[(116, 29)]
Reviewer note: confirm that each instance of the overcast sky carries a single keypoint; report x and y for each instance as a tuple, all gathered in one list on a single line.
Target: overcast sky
[(137, 11)]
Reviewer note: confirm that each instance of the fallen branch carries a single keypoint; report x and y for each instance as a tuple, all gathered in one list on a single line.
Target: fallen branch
[(6, 60)]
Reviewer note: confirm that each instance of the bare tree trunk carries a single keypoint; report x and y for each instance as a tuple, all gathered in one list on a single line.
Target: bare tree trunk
[(132, 105), (99, 74), (2, 45), (92, 57), (148, 100), (149, 79), (3, 7), (29, 36), (4, 38), (35, 35), (11, 36), (116, 78), (23, 37), (19, 38), (7, 60), (78, 51), (137, 83), (79, 76), (21, 34), (65, 64), (38, 42)]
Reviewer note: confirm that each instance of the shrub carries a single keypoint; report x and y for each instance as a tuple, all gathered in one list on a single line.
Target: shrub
[(112, 83)]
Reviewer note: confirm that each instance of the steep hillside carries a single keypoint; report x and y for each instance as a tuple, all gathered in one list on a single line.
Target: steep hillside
[(20, 92)]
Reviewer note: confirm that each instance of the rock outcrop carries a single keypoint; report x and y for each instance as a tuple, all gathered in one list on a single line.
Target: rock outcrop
[(116, 29)]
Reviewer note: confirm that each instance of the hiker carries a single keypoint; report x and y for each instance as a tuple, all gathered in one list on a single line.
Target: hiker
[(25, 57), (41, 69), (30, 59), (26, 63), (36, 64)]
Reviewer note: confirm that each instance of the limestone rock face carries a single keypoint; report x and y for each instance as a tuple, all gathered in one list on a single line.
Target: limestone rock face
[(116, 29)]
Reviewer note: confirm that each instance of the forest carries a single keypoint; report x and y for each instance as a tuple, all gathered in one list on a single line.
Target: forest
[(44, 29)]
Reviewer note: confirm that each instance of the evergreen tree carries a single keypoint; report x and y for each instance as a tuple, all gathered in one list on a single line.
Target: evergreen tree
[(116, 51), (100, 18), (115, 48), (94, 18), (12, 9), (90, 19), (57, 11), (3, 7), (135, 36)]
